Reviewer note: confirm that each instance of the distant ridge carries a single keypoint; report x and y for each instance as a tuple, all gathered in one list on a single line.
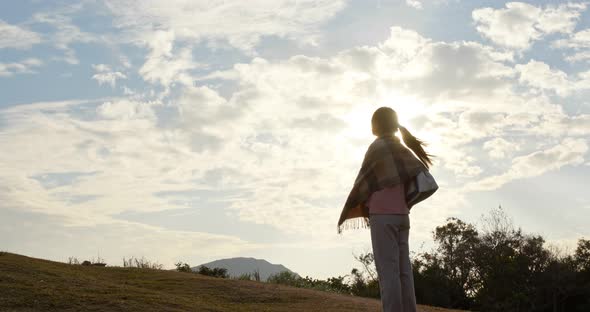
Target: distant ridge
[(241, 265)]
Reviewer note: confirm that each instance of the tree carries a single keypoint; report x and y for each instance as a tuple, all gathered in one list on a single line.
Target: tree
[(510, 265), (430, 280), (183, 267), (582, 255), (368, 262), (363, 287), (365, 282), (457, 247), (496, 267)]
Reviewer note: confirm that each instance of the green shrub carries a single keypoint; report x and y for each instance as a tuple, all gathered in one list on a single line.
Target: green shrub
[(215, 272), (245, 277), (363, 287), (285, 278), (183, 267), (256, 275), (333, 284)]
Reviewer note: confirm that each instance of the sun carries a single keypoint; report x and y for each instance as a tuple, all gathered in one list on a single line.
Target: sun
[(358, 119), (407, 107)]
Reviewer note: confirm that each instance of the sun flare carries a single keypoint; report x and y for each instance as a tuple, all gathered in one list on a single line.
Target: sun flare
[(407, 107), (358, 119)]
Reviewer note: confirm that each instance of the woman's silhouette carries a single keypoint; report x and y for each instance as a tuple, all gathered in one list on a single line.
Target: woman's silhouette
[(379, 198)]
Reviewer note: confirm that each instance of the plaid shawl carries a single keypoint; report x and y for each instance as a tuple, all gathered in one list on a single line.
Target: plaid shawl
[(387, 163)]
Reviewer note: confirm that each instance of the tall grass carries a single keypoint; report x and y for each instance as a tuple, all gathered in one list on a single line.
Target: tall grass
[(141, 263)]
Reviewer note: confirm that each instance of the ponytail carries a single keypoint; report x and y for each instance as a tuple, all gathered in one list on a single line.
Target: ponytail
[(385, 122), (417, 146)]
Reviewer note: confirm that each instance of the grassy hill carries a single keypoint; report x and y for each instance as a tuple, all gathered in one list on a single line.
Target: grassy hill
[(29, 284)]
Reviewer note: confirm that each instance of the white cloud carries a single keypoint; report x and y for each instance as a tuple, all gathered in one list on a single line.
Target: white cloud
[(481, 123), (241, 24), (500, 148), (560, 19), (392, 73), (105, 75), (415, 4), (65, 32), (171, 29), (125, 109), (520, 24), (461, 164), (26, 66), (405, 62), (257, 138), (202, 106), (12, 36), (130, 167), (562, 125), (578, 57), (462, 90), (163, 65), (579, 42), (568, 152), (539, 75), (419, 4), (440, 69)]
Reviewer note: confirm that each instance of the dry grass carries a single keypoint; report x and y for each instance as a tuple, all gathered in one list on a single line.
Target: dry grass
[(29, 284)]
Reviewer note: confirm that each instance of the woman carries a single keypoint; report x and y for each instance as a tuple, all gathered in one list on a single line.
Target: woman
[(378, 198)]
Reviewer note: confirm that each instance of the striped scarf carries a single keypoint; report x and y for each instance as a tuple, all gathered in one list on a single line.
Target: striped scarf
[(386, 164)]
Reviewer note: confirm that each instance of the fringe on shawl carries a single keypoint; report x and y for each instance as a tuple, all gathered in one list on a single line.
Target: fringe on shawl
[(354, 223)]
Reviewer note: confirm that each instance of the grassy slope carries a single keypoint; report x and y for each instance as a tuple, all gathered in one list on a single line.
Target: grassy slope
[(29, 284)]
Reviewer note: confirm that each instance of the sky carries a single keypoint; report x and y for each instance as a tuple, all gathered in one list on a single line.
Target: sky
[(192, 131)]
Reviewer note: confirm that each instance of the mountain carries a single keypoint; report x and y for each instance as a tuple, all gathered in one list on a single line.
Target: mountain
[(238, 266)]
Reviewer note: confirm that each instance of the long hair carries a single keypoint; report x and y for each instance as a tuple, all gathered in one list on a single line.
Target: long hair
[(385, 122)]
